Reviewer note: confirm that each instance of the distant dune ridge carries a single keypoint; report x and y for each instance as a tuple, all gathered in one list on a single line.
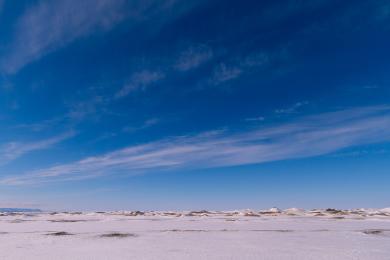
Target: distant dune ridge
[(248, 212)]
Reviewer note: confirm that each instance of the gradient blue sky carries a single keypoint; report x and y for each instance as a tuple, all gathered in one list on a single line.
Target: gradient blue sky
[(129, 104)]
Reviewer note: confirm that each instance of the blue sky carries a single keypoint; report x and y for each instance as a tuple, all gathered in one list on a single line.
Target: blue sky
[(129, 104)]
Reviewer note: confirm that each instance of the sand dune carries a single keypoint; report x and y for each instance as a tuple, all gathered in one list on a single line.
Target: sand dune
[(242, 234)]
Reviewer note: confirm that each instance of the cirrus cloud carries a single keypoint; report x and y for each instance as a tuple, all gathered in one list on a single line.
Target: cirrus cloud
[(50, 25), (13, 150), (305, 137)]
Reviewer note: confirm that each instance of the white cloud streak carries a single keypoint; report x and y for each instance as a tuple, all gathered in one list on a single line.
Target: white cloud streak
[(140, 81), (227, 71), (255, 119), (13, 150), (147, 124), (223, 73), (310, 136), (50, 25), (193, 57), (293, 109)]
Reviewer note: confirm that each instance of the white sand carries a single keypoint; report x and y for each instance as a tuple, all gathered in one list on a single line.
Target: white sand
[(292, 234)]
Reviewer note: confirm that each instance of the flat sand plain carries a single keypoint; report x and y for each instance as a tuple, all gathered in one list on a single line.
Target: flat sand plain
[(273, 234)]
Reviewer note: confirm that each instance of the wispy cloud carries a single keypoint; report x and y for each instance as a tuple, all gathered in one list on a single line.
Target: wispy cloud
[(309, 136), (361, 153), (293, 109), (40, 126), (224, 73), (140, 81), (258, 59), (13, 150), (227, 71), (50, 25), (193, 57), (255, 119), (79, 110), (148, 123)]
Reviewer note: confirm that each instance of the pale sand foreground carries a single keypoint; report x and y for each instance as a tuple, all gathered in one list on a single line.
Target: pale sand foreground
[(203, 235)]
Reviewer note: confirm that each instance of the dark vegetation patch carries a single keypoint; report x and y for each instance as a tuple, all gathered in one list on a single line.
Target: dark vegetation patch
[(76, 213), (273, 230), (68, 220), (251, 214), (229, 230), (16, 221), (60, 233), (336, 211), (187, 230), (376, 231), (198, 213), (133, 213), (66, 212), (20, 220), (118, 235), (379, 214), (329, 210)]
